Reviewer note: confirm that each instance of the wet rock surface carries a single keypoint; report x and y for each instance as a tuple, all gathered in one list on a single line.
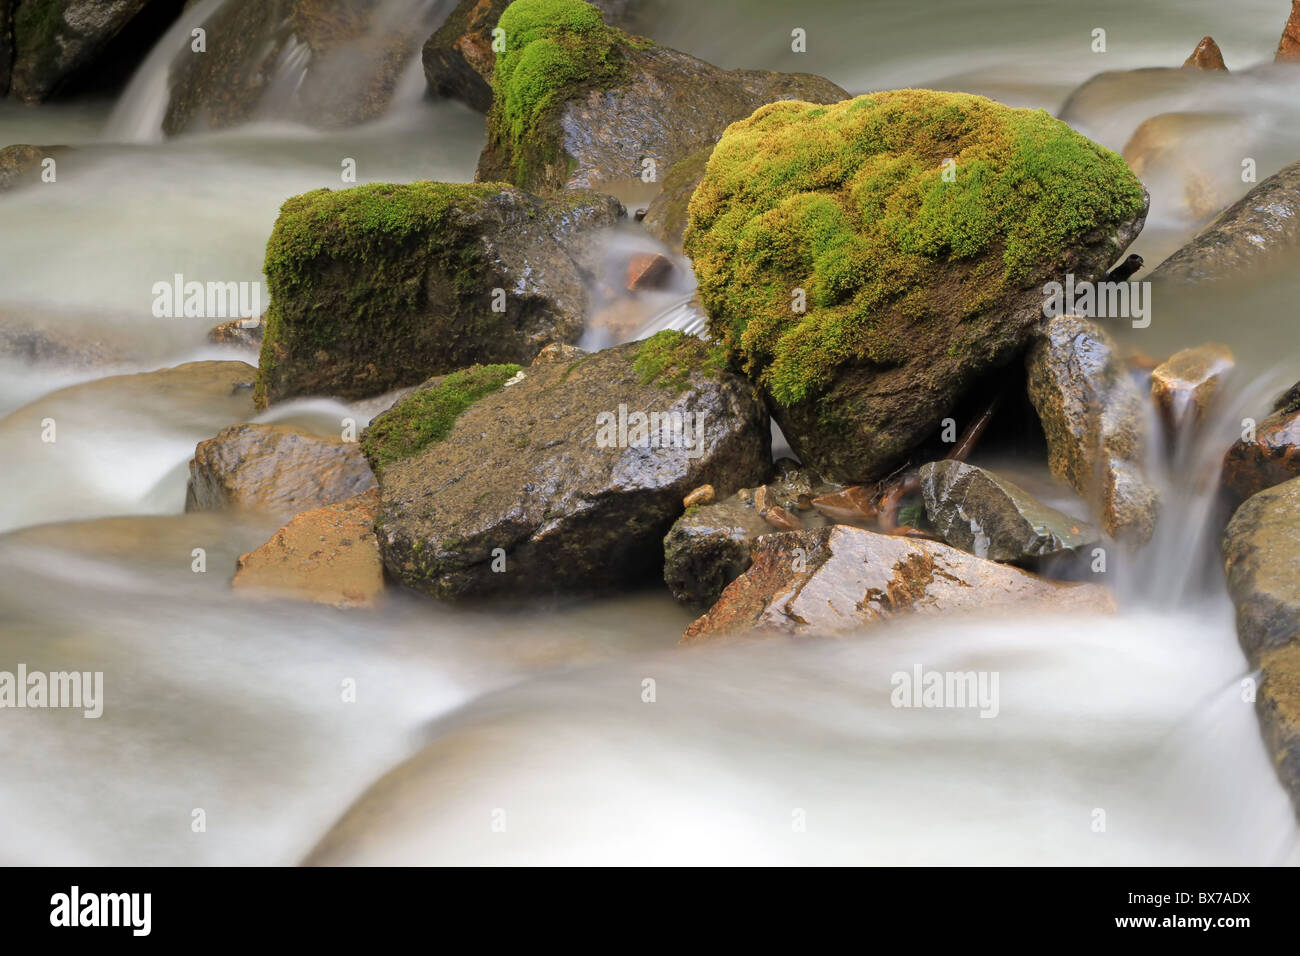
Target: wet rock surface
[(539, 488), (841, 579), (53, 40), (274, 469), (326, 555), (1261, 548), (1278, 704), (1259, 231), (378, 287), (20, 165), (1268, 457), (1206, 56), (990, 517), (1093, 417), (1183, 388)]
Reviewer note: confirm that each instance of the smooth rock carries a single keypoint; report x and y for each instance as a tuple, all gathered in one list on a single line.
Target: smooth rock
[(54, 40), (327, 555), (840, 579), (1206, 56), (540, 480), (21, 165), (991, 517), (1261, 549), (1278, 704), (1094, 420), (275, 469), (1183, 388), (1271, 456), (241, 333), (1288, 46)]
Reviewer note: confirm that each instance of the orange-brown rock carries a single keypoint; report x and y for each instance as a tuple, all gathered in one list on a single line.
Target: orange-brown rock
[(649, 270), (274, 469), (1184, 387), (1288, 47), (327, 555), (840, 579), (1206, 56), (702, 495), (781, 519), (852, 505), (1268, 457)]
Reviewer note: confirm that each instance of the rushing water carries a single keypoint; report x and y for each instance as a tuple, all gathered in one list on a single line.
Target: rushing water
[(537, 718)]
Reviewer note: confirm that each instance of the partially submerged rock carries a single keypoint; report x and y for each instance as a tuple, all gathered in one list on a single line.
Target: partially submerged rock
[(1288, 47), (668, 213), (327, 555), (580, 104), (274, 469), (54, 40), (1181, 148), (240, 333), (1261, 549), (1093, 417), (1259, 231), (867, 284), (991, 517), (1183, 388), (839, 579), (1206, 56), (21, 165), (558, 481), (381, 286), (1270, 455)]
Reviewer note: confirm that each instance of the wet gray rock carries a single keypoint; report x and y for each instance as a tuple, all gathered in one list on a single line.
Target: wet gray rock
[(275, 470), (53, 40), (358, 310), (526, 479), (990, 517), (1095, 423), (1261, 549), (1259, 231)]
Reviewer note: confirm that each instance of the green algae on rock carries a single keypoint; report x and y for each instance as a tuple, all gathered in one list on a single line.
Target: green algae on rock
[(578, 103), (381, 286), (866, 262)]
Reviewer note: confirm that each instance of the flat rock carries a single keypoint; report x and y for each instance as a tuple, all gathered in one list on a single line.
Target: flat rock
[(327, 555), (274, 469), (1094, 420), (990, 517), (1183, 388), (1261, 549), (840, 579)]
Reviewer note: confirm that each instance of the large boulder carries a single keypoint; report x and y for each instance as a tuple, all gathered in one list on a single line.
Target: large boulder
[(1288, 46), (458, 57), (327, 555), (1278, 705), (991, 517), (53, 40), (1268, 456), (1259, 231), (556, 482), (321, 62), (381, 286), (1095, 422), (1261, 548), (579, 104), (274, 469), (866, 283), (840, 579)]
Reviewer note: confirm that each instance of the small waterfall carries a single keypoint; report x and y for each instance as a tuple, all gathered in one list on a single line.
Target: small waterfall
[(138, 116)]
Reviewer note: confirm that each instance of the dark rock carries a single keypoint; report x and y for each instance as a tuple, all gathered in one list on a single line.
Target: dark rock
[(1206, 56), (53, 40), (1257, 232), (914, 307), (274, 469), (377, 287), (1261, 549), (614, 102), (990, 517), (1094, 420), (539, 470), (839, 579), (667, 215), (1270, 456), (1278, 706)]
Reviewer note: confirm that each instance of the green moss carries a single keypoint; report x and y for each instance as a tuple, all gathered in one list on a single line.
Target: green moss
[(668, 358), (427, 416), (849, 204), (386, 239), (554, 49)]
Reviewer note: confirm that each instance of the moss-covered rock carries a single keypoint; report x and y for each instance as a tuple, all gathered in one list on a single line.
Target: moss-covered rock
[(578, 103), (915, 275), (553, 483), (381, 286)]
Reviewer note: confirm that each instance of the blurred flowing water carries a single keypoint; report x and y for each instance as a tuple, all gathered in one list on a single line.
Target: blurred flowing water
[(1121, 740)]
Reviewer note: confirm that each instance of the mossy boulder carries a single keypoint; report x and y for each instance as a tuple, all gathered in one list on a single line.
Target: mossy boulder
[(48, 42), (578, 103), (870, 261), (553, 483), (458, 57), (381, 286)]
